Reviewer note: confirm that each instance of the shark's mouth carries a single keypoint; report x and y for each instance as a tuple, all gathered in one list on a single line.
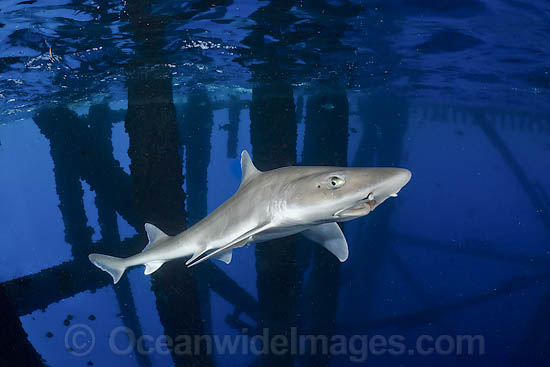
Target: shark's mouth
[(361, 208)]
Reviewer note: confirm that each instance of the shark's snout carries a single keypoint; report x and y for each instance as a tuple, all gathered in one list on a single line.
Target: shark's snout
[(402, 177), (390, 185), (387, 183)]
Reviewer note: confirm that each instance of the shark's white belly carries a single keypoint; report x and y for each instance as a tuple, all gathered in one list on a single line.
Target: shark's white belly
[(274, 233)]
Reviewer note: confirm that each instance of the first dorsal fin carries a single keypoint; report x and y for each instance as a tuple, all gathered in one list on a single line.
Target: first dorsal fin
[(248, 170), (153, 234)]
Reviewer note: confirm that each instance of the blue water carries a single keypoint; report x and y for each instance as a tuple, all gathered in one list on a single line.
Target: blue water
[(114, 114)]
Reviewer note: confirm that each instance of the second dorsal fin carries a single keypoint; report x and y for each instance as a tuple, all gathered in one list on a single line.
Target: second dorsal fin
[(248, 170), (154, 235)]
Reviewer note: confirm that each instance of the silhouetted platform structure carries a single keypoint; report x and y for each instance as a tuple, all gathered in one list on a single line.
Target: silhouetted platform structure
[(88, 157), (505, 117)]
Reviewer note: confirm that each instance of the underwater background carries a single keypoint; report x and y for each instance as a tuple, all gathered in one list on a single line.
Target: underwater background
[(117, 113)]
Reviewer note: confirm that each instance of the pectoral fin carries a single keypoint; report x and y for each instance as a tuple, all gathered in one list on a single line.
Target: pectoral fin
[(329, 236)]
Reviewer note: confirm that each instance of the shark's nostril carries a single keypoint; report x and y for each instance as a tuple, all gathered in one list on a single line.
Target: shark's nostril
[(369, 197)]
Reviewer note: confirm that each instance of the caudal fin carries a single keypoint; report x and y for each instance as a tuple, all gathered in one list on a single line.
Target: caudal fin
[(112, 265)]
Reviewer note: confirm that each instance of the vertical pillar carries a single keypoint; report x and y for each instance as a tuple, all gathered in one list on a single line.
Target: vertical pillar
[(273, 133), (325, 143), (156, 165)]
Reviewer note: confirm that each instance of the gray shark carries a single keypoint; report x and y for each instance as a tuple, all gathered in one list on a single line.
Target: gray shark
[(270, 205)]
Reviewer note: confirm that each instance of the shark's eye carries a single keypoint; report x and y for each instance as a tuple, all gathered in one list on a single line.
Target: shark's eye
[(335, 182)]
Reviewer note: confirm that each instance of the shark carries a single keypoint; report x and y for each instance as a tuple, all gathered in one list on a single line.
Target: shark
[(309, 200)]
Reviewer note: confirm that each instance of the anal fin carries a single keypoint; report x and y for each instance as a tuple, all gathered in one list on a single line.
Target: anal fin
[(152, 266)]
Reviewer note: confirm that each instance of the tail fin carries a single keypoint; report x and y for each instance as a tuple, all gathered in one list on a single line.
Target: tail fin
[(112, 265)]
